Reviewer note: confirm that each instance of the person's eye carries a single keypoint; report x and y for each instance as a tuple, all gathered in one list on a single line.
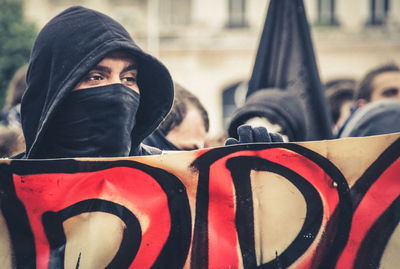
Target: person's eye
[(129, 79), (94, 77), (390, 92)]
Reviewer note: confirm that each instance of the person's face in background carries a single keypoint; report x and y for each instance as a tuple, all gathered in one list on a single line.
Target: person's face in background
[(191, 133), (386, 85), (116, 67)]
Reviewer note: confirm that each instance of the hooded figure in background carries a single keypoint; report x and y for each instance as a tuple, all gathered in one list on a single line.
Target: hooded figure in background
[(77, 105), (375, 118), (277, 110)]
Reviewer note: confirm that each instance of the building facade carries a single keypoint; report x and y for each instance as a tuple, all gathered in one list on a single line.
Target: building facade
[(210, 45)]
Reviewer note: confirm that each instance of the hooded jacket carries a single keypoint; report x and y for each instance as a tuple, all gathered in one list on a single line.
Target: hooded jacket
[(278, 106), (375, 118), (66, 49)]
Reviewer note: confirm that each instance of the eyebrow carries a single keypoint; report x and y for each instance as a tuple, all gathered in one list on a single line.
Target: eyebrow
[(130, 68), (108, 70), (101, 68)]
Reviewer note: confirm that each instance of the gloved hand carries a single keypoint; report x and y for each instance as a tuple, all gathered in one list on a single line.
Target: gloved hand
[(248, 134)]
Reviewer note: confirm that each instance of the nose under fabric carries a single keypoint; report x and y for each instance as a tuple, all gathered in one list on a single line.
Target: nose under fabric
[(93, 122)]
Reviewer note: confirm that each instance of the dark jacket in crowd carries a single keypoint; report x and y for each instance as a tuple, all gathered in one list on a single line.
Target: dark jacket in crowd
[(278, 106), (375, 118), (158, 140), (55, 120)]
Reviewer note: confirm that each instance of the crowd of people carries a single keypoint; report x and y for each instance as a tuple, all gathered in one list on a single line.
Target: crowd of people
[(90, 91)]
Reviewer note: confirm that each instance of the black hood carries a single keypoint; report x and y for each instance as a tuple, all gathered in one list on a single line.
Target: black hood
[(70, 45), (278, 106)]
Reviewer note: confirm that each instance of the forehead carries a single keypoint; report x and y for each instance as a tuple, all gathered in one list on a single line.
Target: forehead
[(192, 124), (119, 55), (387, 78), (191, 128)]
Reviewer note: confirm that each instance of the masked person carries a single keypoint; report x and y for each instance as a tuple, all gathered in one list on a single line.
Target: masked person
[(91, 91), (380, 83)]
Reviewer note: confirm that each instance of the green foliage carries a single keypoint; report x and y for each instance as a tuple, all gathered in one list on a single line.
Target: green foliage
[(16, 40)]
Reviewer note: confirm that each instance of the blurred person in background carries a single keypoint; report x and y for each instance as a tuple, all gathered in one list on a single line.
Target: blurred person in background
[(11, 114), (278, 111), (11, 141), (340, 96), (186, 125), (380, 83), (11, 136)]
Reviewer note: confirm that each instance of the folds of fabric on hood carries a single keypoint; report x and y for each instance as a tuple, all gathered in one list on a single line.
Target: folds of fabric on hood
[(70, 45), (375, 118), (278, 106)]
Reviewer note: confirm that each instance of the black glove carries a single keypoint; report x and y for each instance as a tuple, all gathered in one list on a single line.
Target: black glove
[(248, 134)]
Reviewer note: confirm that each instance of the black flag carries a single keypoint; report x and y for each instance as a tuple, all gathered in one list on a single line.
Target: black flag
[(285, 59)]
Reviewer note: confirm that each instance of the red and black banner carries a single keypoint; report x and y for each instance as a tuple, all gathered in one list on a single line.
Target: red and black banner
[(328, 204)]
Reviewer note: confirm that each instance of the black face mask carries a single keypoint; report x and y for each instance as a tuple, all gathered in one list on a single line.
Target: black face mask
[(93, 122)]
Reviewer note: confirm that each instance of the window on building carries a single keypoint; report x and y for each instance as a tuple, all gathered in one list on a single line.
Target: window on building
[(175, 12), (326, 12), (237, 14), (379, 9)]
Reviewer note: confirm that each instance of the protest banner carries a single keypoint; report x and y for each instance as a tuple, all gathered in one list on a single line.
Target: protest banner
[(325, 204)]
